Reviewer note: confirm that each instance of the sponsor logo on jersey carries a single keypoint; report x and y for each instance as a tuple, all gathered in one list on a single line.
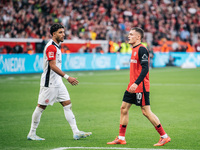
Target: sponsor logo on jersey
[(51, 54), (144, 57), (133, 61)]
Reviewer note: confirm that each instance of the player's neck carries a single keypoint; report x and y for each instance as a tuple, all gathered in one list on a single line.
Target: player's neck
[(136, 43), (55, 41)]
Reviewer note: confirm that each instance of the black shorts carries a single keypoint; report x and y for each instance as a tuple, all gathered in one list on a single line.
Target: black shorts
[(139, 99)]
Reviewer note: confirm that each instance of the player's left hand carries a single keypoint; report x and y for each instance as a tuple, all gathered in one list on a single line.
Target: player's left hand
[(73, 81), (132, 88)]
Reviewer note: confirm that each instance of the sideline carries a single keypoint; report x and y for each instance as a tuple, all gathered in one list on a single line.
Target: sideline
[(64, 148)]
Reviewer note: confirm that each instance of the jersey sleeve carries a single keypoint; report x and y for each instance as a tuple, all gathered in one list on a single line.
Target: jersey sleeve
[(51, 52), (144, 59)]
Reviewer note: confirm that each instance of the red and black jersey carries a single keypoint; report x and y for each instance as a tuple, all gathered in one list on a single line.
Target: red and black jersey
[(139, 69)]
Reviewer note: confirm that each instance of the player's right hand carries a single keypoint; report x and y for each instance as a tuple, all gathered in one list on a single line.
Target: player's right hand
[(132, 88), (73, 81)]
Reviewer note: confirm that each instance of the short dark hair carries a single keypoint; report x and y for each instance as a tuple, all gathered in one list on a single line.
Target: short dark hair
[(140, 31), (55, 28)]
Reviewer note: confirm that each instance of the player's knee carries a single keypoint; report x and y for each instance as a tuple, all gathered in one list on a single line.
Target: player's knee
[(147, 113), (68, 107), (65, 103), (42, 106), (144, 113), (123, 110)]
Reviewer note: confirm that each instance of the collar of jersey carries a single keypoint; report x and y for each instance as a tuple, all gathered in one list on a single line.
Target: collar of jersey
[(136, 45), (54, 43)]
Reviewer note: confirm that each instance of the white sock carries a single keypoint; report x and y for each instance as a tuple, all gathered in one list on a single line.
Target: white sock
[(164, 136), (121, 137), (70, 118), (35, 120)]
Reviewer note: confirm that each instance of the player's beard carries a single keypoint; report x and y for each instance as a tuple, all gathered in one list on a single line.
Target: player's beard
[(58, 39), (61, 39)]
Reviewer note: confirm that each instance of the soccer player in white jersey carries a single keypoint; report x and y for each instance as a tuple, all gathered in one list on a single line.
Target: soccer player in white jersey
[(52, 88)]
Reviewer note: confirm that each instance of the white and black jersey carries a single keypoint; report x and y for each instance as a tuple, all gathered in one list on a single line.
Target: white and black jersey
[(49, 78)]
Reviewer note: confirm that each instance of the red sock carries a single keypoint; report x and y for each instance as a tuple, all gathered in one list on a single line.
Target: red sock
[(122, 130), (160, 130)]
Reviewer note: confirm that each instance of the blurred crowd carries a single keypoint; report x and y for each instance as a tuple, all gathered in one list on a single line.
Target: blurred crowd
[(162, 20)]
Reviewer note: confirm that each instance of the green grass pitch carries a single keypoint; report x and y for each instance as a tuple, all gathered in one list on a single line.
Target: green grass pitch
[(174, 97)]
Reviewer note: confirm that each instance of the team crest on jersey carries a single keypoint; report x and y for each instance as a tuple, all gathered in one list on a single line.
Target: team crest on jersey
[(47, 101), (51, 54)]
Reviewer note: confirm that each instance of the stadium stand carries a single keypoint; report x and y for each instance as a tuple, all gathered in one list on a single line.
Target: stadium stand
[(176, 21)]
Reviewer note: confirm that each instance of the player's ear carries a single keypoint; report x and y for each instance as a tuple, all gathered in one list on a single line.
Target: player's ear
[(138, 36), (54, 33)]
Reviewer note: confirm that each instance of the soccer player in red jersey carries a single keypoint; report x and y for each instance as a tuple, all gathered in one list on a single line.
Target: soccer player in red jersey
[(137, 91)]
